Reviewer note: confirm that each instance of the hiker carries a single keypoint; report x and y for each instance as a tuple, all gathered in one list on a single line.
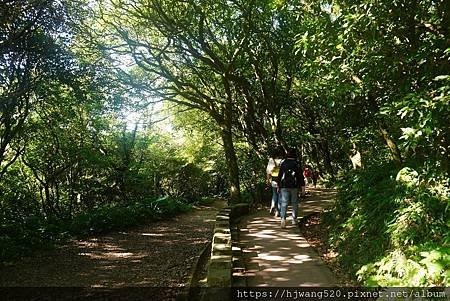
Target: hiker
[(290, 179), (315, 177), (272, 170), (307, 175)]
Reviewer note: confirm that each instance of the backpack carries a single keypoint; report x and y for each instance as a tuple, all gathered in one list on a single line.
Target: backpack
[(290, 176), (275, 171)]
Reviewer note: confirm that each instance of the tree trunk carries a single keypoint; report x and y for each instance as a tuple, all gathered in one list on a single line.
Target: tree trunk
[(445, 155), (315, 154), (327, 157), (392, 146), (48, 201), (232, 164), (228, 146), (384, 130)]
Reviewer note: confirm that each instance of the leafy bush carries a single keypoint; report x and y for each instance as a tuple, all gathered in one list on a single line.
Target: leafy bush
[(392, 229), (117, 217), (416, 266)]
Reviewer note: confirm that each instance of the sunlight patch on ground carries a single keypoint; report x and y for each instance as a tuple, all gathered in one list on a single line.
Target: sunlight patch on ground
[(282, 239), (298, 260), (303, 245), (87, 244), (281, 279), (276, 270), (266, 256), (110, 247), (302, 257), (120, 255), (262, 235), (112, 255), (258, 221), (293, 236)]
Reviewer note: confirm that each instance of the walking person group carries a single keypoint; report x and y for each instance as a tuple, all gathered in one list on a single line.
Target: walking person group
[(286, 179)]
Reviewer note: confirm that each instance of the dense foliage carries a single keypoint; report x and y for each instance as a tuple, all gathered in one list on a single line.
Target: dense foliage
[(391, 229), (359, 84), (71, 163)]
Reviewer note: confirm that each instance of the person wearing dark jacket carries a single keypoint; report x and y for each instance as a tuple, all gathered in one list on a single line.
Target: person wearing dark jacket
[(290, 180)]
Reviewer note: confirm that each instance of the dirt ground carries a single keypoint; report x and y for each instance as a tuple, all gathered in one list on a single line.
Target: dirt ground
[(159, 254), (315, 232)]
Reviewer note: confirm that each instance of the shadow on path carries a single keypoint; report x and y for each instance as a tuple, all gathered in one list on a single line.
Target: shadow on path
[(278, 257), (159, 254)]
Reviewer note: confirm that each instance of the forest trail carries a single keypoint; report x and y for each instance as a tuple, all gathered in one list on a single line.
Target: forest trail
[(159, 254), (278, 257)]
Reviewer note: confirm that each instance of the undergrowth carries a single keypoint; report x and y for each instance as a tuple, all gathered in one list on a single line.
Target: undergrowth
[(23, 237), (392, 229)]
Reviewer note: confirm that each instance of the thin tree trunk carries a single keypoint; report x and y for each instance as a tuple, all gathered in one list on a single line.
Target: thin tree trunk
[(316, 156), (326, 157), (48, 201), (445, 154), (392, 146), (384, 130)]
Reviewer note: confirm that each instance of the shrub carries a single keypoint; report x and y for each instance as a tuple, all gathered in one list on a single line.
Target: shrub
[(392, 229)]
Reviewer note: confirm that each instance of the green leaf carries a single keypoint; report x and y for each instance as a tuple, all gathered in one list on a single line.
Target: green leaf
[(442, 77)]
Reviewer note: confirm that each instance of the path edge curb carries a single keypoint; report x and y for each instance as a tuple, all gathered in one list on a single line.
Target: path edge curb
[(195, 271)]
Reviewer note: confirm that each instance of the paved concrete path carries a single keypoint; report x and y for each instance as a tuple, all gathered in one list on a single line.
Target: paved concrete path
[(278, 257)]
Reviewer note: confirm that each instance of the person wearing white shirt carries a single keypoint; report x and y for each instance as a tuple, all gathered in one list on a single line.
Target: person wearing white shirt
[(272, 169)]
